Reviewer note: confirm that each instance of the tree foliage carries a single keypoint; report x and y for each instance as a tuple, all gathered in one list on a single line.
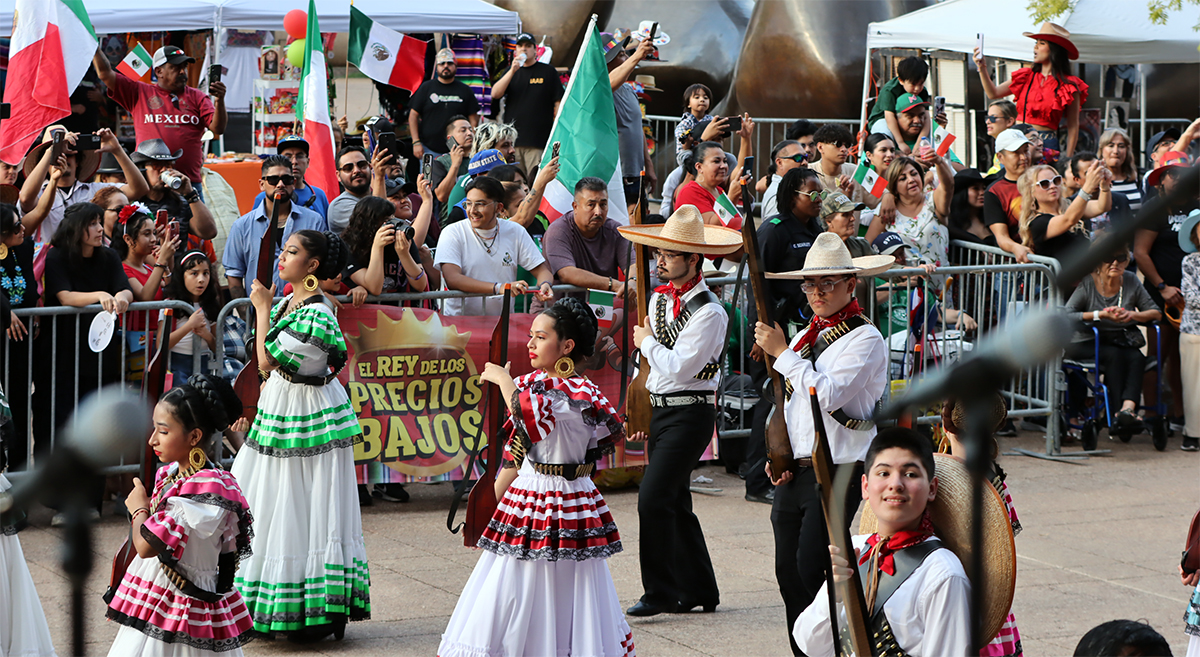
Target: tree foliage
[(1048, 10)]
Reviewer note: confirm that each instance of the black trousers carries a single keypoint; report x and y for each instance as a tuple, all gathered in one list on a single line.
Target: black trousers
[(801, 541), (675, 564), (1123, 369), (757, 482)]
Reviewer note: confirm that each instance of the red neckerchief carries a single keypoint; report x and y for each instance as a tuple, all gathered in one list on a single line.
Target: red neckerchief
[(895, 543), (676, 294), (819, 324)]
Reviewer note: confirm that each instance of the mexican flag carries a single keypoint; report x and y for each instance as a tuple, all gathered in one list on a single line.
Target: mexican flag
[(727, 212), (313, 111), (137, 63), (602, 306), (385, 55), (586, 127), (942, 140), (871, 181), (51, 48)]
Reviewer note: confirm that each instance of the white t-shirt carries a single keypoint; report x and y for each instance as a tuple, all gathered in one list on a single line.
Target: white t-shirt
[(769, 207), (459, 245), (188, 342)]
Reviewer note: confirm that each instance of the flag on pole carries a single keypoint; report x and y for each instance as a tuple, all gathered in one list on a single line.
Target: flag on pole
[(313, 110), (383, 54), (942, 140), (586, 126), (727, 212), (602, 306), (137, 63), (51, 48), (866, 176)]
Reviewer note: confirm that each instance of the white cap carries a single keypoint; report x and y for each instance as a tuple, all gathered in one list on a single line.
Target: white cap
[(1010, 140)]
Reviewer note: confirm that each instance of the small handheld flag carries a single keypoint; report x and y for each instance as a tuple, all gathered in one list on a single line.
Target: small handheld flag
[(602, 306), (727, 212), (136, 64), (871, 181)]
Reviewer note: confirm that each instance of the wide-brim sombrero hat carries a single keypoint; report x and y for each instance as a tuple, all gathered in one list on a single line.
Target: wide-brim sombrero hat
[(830, 257), (89, 161), (951, 515), (685, 231), (1055, 34)]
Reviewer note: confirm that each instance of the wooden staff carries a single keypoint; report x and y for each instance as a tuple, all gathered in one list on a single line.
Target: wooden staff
[(637, 402)]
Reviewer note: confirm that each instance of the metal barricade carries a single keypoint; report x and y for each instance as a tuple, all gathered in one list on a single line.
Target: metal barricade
[(47, 359)]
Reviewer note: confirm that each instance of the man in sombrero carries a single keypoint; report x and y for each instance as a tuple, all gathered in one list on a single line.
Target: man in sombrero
[(681, 342), (845, 358)]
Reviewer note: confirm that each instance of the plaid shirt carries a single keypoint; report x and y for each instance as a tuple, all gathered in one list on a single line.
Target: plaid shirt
[(233, 336)]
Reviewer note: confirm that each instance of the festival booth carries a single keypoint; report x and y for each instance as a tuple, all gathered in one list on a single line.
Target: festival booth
[(1105, 31)]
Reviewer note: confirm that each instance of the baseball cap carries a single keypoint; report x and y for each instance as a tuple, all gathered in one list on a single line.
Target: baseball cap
[(1010, 140), (525, 37), (1170, 133), (444, 55), (396, 186), (908, 101), (171, 54), (1170, 160), (839, 202), (887, 242), (484, 161), (291, 142)]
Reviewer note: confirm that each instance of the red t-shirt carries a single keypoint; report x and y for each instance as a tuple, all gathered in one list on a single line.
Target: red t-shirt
[(693, 194), (179, 121), (137, 320)]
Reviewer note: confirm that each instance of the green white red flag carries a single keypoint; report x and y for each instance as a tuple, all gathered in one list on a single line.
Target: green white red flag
[(51, 48), (942, 140), (313, 110), (383, 54), (602, 306), (137, 63), (727, 212), (586, 128), (871, 181)]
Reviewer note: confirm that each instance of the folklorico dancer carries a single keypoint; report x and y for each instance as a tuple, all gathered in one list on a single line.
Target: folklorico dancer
[(844, 357), (177, 597), (308, 575), (681, 342), (542, 585), (915, 531)]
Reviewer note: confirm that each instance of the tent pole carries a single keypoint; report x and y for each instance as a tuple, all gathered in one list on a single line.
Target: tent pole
[(216, 59), (1142, 108), (866, 89)]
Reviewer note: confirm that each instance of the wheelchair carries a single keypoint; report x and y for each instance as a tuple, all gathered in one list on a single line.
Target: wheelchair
[(1099, 416)]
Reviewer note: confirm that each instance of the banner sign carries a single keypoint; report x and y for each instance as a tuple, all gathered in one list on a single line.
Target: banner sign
[(413, 379)]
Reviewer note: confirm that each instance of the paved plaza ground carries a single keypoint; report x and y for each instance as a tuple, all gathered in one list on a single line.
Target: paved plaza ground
[(1101, 541)]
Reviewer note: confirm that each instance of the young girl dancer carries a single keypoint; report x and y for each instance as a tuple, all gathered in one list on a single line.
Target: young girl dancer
[(177, 598), (542, 586)]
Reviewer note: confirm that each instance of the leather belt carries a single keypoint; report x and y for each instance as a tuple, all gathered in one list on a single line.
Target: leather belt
[(673, 399), (805, 462), (568, 471), (306, 379)]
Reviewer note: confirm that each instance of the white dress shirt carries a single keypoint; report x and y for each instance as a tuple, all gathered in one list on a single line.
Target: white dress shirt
[(850, 375), (699, 343), (933, 602)]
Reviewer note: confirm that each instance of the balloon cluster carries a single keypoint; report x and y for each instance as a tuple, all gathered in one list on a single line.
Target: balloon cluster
[(295, 23)]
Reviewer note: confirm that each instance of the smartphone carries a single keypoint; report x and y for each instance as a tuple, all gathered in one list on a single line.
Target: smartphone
[(653, 32), (735, 124), (554, 149), (57, 144), (939, 105), (386, 141), (87, 143), (979, 43), (427, 166), (214, 73), (160, 220), (748, 167), (172, 229), (450, 144)]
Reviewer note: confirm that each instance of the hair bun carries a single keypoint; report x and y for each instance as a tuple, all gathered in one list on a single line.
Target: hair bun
[(336, 256), (220, 401), (580, 315)]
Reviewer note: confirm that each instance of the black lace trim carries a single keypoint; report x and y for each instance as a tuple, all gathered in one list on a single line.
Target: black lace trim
[(357, 603), (303, 451), (606, 529), (550, 554), (592, 417), (245, 519), (180, 638), (334, 357)]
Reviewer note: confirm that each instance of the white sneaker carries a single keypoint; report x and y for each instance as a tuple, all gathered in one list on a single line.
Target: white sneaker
[(60, 518)]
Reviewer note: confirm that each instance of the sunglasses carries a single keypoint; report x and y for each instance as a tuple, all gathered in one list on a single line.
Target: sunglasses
[(1120, 257), (1053, 182), (815, 197), (798, 157), (993, 119), (361, 166), (286, 179)]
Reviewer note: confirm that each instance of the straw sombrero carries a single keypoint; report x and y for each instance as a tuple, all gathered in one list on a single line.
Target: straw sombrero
[(830, 257), (1057, 35), (89, 161), (951, 514), (685, 231)]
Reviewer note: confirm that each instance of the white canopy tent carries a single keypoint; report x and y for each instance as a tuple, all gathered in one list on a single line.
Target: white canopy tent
[(1105, 31), (463, 16)]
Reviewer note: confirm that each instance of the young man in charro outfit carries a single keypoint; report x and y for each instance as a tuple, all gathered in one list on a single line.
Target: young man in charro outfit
[(681, 342), (917, 593), (844, 357)]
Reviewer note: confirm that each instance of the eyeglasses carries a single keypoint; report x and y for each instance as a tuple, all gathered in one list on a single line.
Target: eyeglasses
[(826, 286), (287, 179), (469, 205), (116, 209), (1053, 182), (815, 197), (662, 255), (361, 165)]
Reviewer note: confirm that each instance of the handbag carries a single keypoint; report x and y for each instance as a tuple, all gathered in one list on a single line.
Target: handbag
[(1190, 561)]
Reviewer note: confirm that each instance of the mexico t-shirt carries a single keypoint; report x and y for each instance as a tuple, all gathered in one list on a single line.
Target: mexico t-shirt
[(529, 103), (177, 119)]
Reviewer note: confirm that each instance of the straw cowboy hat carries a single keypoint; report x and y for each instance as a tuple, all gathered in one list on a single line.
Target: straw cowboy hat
[(685, 231), (88, 161), (647, 82), (951, 515), (830, 257), (1056, 34)]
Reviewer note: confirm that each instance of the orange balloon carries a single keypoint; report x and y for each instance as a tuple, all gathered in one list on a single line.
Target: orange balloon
[(295, 23)]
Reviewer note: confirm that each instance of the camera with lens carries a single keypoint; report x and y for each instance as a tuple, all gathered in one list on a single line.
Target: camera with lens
[(403, 226), (172, 180)]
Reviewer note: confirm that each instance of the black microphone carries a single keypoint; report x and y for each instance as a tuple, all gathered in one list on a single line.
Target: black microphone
[(108, 424), (1033, 339)]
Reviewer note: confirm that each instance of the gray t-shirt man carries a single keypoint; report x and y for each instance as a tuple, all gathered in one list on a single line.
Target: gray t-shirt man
[(606, 254), (340, 210), (630, 138)]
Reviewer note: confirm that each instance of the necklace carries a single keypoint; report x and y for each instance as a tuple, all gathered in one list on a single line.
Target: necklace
[(487, 246)]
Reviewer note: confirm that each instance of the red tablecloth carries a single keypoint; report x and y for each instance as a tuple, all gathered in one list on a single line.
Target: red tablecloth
[(243, 177)]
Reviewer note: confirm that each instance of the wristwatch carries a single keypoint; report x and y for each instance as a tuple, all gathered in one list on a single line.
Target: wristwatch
[(1162, 285)]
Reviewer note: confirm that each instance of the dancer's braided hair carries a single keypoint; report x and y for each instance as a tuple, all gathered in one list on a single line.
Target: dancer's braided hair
[(574, 320)]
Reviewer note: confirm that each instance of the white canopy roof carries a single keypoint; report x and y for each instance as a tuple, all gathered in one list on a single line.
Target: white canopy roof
[(113, 16), (1105, 31)]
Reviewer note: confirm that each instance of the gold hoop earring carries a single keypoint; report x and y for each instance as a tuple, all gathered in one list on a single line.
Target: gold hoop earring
[(311, 282), (3, 251), (197, 458), (564, 367)]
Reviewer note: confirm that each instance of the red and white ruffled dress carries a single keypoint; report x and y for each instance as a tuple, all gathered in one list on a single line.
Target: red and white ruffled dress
[(200, 527), (1007, 642), (542, 585)]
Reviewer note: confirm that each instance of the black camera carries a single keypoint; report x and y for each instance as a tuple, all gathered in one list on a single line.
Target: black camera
[(403, 226)]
